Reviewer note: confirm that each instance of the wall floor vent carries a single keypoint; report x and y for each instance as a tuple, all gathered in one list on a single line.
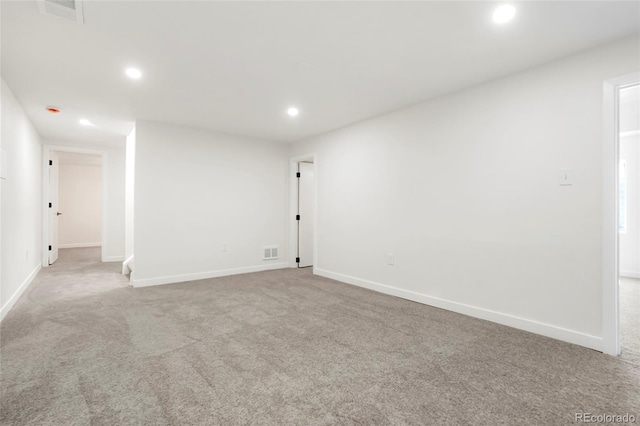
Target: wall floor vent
[(270, 253)]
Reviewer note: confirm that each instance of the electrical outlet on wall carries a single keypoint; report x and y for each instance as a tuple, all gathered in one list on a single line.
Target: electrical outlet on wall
[(225, 248), (565, 177), (391, 259)]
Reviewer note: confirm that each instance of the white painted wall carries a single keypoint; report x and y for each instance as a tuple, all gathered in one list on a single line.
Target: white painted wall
[(21, 198), (113, 243), (464, 190), (80, 202), (129, 195), (199, 193), (630, 240)]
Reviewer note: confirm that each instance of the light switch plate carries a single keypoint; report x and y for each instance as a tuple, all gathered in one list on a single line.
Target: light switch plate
[(391, 259), (565, 177)]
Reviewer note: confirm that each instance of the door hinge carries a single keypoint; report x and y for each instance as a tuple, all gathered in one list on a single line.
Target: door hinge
[(50, 205), (49, 248), (298, 174), (51, 162), (297, 259), (297, 217)]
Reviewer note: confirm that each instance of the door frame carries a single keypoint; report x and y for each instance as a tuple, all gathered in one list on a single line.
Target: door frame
[(610, 237), (46, 156), (293, 208)]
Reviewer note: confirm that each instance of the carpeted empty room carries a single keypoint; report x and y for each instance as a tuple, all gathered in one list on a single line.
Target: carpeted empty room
[(283, 347), (319, 212)]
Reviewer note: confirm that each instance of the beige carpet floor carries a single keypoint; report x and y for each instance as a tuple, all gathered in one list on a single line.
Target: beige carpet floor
[(630, 320), (283, 348)]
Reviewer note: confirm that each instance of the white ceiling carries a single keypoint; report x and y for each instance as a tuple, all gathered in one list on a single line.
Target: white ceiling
[(235, 67)]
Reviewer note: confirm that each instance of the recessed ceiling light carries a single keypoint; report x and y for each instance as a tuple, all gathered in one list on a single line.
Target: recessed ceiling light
[(504, 13), (293, 111), (133, 73), (85, 122)]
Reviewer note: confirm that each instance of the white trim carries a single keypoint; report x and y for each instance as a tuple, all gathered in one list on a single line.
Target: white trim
[(630, 133), (78, 245), (630, 274), (128, 265), (146, 282), (548, 330), (610, 237), (112, 258), (16, 296), (293, 208)]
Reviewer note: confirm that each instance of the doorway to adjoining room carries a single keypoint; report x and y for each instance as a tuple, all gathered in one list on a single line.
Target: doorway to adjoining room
[(629, 220), (74, 205)]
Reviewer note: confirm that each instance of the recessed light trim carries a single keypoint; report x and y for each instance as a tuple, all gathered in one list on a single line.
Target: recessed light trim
[(134, 73), (293, 111), (85, 122), (503, 14)]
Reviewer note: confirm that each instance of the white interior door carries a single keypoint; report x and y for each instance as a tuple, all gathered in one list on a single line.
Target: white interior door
[(306, 199), (53, 207)]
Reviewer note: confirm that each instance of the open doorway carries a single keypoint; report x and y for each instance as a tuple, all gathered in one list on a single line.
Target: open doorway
[(74, 203), (613, 90), (302, 242), (306, 212), (629, 219)]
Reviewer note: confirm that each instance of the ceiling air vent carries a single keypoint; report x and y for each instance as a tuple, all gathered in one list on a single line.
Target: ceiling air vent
[(71, 10)]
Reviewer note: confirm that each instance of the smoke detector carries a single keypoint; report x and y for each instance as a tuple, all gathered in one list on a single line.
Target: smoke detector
[(71, 10)]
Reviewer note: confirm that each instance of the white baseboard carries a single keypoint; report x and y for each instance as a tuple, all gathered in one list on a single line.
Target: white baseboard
[(146, 282), (78, 245), (128, 266), (630, 274), (548, 330), (112, 258), (13, 299)]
